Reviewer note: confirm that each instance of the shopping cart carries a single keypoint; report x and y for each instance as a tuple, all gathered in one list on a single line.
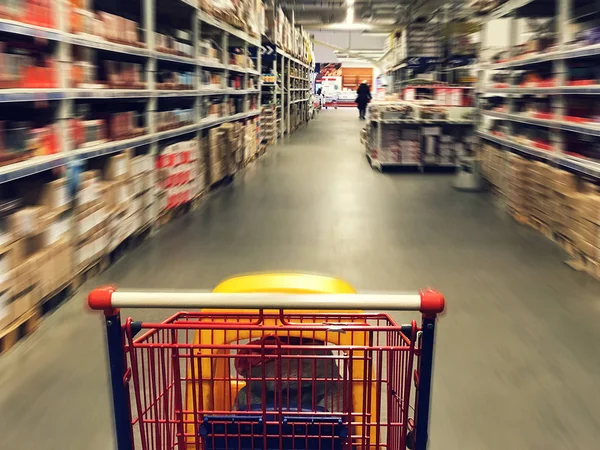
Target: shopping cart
[(271, 366)]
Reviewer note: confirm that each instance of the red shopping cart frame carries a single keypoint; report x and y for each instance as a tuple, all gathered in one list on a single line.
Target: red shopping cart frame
[(163, 376)]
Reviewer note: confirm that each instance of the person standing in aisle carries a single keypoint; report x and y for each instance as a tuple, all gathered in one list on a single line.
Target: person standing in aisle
[(363, 97)]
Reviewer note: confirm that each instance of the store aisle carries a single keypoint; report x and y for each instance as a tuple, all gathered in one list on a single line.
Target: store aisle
[(516, 364)]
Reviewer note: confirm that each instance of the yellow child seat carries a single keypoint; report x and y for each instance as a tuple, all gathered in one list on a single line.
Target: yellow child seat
[(216, 385)]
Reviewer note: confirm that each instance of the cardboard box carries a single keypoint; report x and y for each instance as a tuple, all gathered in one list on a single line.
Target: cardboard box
[(6, 307), (11, 257), (55, 195), (89, 222), (117, 168), (27, 221)]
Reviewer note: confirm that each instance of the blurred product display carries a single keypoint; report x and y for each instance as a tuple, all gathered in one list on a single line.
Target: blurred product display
[(113, 123), (539, 123), (515, 90)]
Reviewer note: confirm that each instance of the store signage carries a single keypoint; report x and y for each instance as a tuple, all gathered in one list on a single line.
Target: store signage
[(268, 52), (421, 62), (461, 60)]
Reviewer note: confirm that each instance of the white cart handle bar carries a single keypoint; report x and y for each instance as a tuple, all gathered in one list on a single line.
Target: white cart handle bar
[(428, 302)]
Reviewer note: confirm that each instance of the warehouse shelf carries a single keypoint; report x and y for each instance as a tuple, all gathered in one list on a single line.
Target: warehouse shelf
[(30, 95), (564, 90), (524, 149), (102, 44), (580, 52), (593, 130), (291, 58), (210, 64), (507, 8), (31, 167), (204, 92), (575, 164), (178, 93), (108, 93), (424, 121), (206, 18), (559, 83), (175, 58), (42, 163), (24, 29)]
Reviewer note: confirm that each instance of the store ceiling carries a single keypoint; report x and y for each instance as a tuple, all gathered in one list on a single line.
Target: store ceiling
[(378, 15)]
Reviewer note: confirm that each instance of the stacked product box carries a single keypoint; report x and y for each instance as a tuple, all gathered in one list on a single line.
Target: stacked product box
[(232, 145), (178, 174), (540, 187), (116, 190), (587, 227), (517, 188), (91, 220), (494, 167), (217, 162), (143, 186), (444, 149), (566, 199), (36, 254), (399, 145), (251, 139), (576, 212), (268, 124)]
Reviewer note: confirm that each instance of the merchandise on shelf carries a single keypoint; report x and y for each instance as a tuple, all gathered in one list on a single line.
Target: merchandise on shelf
[(25, 65), (537, 192), (36, 255), (415, 134), (20, 140), (211, 80), (268, 124), (103, 25), (117, 75), (239, 59), (168, 120), (91, 218), (177, 42), (172, 80), (38, 12), (208, 51), (251, 139)]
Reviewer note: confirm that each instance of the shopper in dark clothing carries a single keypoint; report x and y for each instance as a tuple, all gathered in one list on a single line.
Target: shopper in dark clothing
[(363, 97)]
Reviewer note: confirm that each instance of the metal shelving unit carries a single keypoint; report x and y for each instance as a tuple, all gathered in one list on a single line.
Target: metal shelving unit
[(559, 94), (151, 60)]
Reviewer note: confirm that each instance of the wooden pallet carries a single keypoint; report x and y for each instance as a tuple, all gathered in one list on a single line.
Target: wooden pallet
[(519, 217), (172, 214), (197, 200), (225, 181), (541, 227), (565, 243), (130, 243), (28, 322), (583, 263)]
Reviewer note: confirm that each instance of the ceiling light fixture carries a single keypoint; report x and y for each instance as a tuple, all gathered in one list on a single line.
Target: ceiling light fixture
[(348, 26), (350, 11), (375, 33)]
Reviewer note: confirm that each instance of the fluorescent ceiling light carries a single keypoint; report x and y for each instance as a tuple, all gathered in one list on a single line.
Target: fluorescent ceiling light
[(348, 26), (358, 60), (375, 33), (350, 11)]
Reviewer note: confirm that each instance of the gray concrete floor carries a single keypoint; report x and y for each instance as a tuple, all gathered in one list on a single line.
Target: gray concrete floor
[(517, 363)]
